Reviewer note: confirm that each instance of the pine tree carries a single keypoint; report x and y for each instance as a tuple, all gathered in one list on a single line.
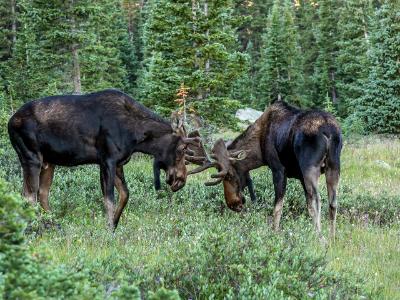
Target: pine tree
[(8, 28), (167, 51), (306, 19), (326, 35), (379, 107), (352, 52), (66, 46), (254, 14), (280, 71), (194, 43)]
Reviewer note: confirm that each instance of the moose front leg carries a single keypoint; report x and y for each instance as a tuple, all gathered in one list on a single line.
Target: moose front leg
[(156, 174), (249, 184), (279, 178), (107, 175)]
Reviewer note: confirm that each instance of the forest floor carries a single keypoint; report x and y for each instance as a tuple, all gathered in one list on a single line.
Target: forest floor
[(190, 242)]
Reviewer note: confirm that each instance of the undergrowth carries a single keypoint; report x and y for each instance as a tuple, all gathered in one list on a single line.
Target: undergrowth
[(188, 245)]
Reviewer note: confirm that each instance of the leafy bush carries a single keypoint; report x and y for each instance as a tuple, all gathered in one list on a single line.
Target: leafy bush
[(255, 265), (383, 209), (186, 241), (353, 125), (26, 275)]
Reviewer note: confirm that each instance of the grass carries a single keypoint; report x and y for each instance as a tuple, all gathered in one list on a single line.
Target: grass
[(372, 164), (188, 241), (371, 251)]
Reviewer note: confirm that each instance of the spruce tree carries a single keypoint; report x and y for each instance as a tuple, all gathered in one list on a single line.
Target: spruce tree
[(352, 45), (280, 71), (254, 14), (191, 43), (326, 35), (306, 12), (8, 27), (168, 54), (379, 106), (132, 50), (67, 46), (218, 63)]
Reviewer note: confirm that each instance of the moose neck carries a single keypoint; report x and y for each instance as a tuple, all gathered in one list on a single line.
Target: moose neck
[(249, 141), (157, 138)]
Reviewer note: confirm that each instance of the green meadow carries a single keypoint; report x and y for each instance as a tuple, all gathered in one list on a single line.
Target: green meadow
[(189, 243)]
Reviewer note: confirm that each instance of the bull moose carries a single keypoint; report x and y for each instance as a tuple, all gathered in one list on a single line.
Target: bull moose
[(103, 128), (199, 157), (293, 143)]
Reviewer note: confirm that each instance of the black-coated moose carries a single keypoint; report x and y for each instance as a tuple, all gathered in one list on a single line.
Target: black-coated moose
[(103, 128), (196, 155), (293, 143)]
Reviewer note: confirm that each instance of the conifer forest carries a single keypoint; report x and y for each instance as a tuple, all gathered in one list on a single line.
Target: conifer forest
[(195, 64)]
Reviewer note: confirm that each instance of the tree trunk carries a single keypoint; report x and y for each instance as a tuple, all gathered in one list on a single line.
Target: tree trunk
[(207, 66), (194, 18), (207, 35), (76, 74), (14, 23), (334, 95), (76, 70)]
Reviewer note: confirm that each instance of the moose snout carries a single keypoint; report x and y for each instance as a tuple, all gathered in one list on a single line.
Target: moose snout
[(177, 185), (236, 207)]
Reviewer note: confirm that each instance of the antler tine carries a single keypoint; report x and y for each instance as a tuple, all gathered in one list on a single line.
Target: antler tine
[(195, 141), (203, 167), (189, 152), (215, 182), (199, 160), (220, 174)]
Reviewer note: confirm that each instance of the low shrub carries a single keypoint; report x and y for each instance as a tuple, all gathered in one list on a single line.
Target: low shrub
[(27, 275)]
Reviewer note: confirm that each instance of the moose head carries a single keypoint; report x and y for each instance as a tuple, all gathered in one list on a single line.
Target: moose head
[(228, 173), (174, 155)]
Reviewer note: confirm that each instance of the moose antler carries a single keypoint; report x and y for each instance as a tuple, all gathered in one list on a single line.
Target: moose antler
[(195, 141), (196, 154), (205, 166)]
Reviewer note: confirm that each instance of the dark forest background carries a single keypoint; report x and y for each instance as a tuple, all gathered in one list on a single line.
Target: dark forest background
[(342, 56)]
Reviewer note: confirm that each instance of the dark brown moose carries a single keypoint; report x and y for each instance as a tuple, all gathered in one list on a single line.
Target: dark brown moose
[(196, 155), (103, 128), (293, 143)]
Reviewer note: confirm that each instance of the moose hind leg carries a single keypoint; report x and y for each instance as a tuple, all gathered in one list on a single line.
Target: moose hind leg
[(107, 180), (310, 184), (123, 192), (46, 179), (332, 181), (279, 179), (31, 173)]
